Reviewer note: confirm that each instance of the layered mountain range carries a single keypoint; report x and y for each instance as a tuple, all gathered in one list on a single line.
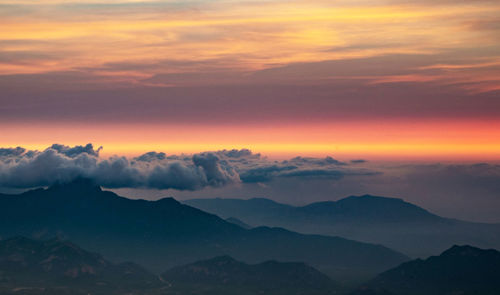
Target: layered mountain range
[(388, 221), (179, 249), (60, 267), (165, 233), (56, 266)]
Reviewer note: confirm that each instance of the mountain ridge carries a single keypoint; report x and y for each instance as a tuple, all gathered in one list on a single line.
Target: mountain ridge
[(63, 266), (458, 270), (392, 222), (164, 233), (225, 275), (56, 266), (344, 202)]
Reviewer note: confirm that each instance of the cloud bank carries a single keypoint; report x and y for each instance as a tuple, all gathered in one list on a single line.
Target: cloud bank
[(21, 168), (473, 189)]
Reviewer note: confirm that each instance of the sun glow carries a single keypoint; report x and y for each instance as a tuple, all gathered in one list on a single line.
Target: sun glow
[(375, 140)]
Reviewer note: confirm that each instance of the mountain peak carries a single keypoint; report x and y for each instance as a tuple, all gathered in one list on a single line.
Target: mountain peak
[(464, 250), (168, 200), (371, 197), (80, 184)]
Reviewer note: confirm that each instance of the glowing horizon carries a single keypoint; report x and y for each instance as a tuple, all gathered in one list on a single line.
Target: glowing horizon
[(393, 140)]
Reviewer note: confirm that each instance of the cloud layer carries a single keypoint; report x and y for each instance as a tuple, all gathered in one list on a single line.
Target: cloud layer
[(20, 168)]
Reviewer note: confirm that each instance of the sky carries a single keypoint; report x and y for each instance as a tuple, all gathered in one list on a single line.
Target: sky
[(395, 78), (412, 87)]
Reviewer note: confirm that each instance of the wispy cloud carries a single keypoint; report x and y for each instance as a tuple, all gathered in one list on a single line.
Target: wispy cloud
[(89, 35)]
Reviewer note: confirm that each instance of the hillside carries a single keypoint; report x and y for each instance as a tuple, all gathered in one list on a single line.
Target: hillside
[(224, 275), (60, 267), (462, 270)]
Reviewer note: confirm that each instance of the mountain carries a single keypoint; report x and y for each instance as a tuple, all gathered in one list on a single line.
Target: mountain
[(238, 222), (60, 267), (224, 275), (388, 221), (463, 270), (55, 266), (165, 233)]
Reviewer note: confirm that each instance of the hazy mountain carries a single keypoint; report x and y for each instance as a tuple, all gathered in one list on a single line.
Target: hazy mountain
[(224, 275), (58, 267), (388, 221), (162, 234), (238, 222), (463, 270), (54, 266)]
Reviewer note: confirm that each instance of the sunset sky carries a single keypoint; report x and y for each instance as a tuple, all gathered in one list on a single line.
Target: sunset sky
[(394, 79)]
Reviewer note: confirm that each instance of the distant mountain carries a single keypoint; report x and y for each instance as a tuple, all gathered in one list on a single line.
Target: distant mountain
[(59, 267), (224, 275), (165, 233), (363, 209), (388, 221), (463, 270)]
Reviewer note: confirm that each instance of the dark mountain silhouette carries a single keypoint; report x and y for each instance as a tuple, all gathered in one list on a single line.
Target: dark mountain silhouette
[(388, 221), (60, 267), (165, 233), (224, 275), (461, 270)]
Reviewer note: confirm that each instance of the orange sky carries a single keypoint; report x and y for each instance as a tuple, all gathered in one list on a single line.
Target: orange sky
[(396, 140), (356, 79)]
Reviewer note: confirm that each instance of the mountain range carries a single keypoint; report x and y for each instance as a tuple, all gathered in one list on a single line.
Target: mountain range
[(165, 233), (55, 266), (463, 270), (224, 275), (60, 267), (388, 221)]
